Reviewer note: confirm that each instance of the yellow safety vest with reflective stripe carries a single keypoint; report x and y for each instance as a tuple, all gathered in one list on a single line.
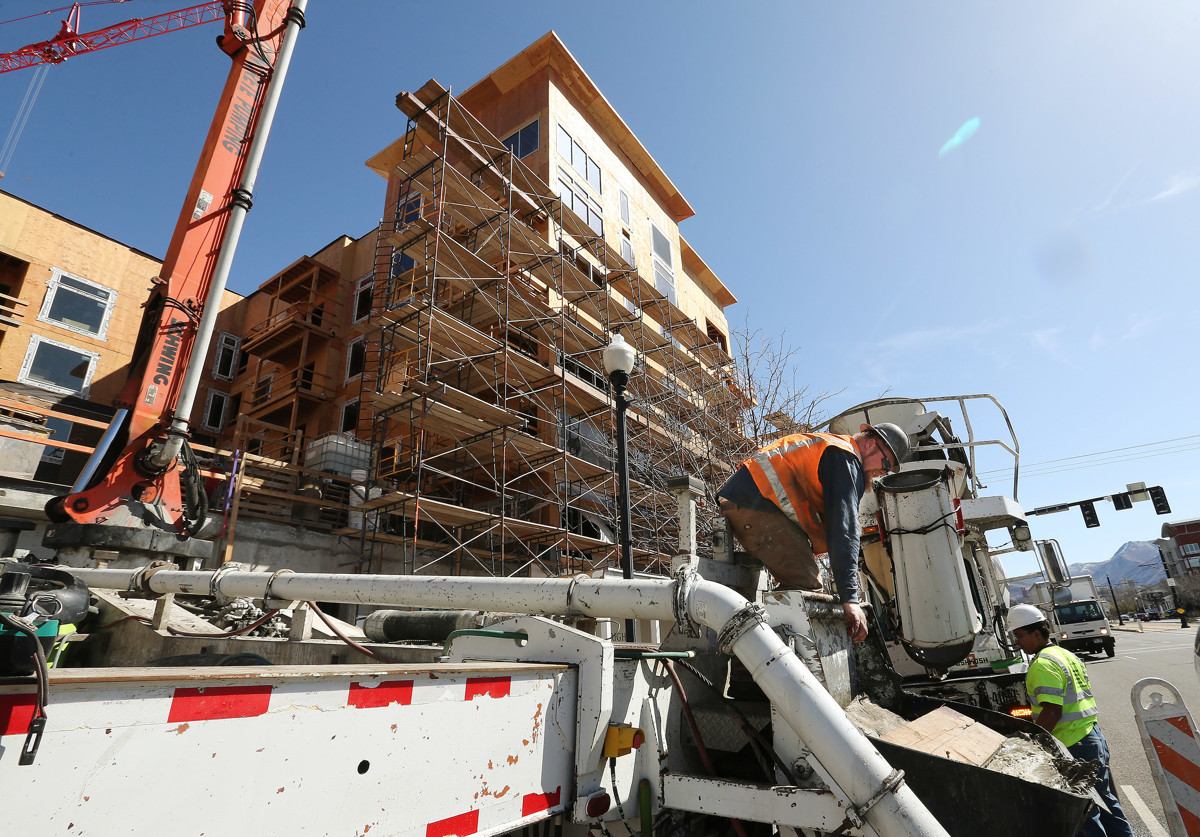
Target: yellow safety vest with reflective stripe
[(785, 472), (1057, 676)]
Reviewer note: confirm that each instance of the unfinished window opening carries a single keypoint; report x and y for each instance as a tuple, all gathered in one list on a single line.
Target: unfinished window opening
[(57, 367), (76, 304), (717, 336), (356, 355), (225, 361), (525, 141), (216, 408), (60, 431), (349, 419), (262, 389)]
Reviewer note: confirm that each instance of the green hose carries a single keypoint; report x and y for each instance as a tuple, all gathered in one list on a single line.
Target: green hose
[(644, 802)]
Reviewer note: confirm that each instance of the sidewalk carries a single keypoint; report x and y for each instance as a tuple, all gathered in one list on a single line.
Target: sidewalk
[(1160, 626)]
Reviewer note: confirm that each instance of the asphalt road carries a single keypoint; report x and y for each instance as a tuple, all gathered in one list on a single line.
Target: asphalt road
[(1163, 650)]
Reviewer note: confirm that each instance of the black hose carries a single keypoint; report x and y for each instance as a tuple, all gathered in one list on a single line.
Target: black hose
[(195, 499), (37, 724)]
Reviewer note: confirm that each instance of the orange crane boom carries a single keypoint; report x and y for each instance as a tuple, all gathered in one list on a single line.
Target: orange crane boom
[(141, 491)]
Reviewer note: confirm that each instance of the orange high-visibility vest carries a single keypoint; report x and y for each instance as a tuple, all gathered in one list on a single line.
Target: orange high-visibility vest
[(785, 472)]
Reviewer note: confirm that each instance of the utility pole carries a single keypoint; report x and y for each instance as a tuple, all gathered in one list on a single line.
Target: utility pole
[(1116, 607)]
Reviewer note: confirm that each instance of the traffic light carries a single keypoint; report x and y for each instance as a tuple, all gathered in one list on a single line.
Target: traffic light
[(1122, 501), (1090, 519), (1159, 498)]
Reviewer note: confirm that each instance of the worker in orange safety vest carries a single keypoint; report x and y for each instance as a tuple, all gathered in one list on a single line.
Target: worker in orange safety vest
[(798, 497)]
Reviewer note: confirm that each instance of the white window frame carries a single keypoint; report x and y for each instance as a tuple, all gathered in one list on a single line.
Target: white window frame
[(623, 207), (365, 283), (53, 284), (627, 243), (213, 394), (36, 340), (226, 340), (1189, 549), (357, 341), (662, 267)]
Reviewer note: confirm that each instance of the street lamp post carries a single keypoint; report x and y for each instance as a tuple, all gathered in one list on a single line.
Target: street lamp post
[(619, 358)]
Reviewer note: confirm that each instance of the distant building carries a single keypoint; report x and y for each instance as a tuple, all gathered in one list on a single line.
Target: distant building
[(1180, 547)]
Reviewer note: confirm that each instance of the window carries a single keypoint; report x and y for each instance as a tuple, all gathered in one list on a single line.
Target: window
[(574, 154), (349, 420), (525, 141), (215, 410), (77, 305), (58, 367), (716, 335), (262, 389), (60, 430), (408, 209), (664, 267), (226, 360), (356, 354), (624, 202), (402, 263), (1190, 548), (627, 248), (362, 298), (576, 198)]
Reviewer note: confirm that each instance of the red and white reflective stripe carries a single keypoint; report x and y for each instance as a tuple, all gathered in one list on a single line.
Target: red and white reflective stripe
[(16, 713), (469, 822), (164, 702), (1175, 744)]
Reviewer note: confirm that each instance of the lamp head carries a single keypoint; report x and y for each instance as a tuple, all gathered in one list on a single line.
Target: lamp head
[(619, 356)]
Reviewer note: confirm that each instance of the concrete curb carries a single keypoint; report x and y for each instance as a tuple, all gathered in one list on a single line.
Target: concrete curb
[(1155, 627)]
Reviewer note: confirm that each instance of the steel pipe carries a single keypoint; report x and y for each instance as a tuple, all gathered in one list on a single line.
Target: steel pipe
[(840, 750), (233, 231)]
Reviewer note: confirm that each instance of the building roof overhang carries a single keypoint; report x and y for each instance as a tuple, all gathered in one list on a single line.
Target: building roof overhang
[(550, 51)]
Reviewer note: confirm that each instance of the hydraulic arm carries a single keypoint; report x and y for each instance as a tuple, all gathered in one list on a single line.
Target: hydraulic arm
[(142, 492)]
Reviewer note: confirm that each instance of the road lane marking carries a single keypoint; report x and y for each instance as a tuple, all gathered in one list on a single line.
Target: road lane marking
[(1152, 825)]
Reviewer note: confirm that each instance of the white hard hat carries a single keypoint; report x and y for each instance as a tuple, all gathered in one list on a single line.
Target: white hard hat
[(1024, 615)]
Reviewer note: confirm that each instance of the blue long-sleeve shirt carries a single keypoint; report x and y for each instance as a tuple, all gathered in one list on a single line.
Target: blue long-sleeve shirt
[(843, 483)]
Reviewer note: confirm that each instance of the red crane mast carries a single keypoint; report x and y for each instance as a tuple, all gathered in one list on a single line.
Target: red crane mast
[(70, 42)]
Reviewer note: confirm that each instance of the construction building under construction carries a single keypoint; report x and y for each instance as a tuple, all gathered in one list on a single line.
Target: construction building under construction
[(437, 388), (430, 397)]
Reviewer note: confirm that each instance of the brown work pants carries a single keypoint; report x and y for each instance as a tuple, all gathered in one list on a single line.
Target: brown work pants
[(778, 542)]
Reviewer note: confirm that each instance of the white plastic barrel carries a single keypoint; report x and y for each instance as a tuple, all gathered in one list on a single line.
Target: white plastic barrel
[(936, 610)]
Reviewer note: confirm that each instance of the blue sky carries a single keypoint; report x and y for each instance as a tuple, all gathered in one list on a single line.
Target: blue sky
[(1049, 260)]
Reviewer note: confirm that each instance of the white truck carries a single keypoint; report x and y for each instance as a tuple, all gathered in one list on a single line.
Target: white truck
[(1075, 613), (526, 724)]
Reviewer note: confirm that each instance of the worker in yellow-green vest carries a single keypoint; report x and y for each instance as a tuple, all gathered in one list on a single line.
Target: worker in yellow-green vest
[(1061, 696)]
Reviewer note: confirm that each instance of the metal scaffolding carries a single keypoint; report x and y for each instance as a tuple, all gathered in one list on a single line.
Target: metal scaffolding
[(483, 395)]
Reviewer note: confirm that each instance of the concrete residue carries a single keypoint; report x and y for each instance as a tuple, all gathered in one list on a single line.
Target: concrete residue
[(1020, 756)]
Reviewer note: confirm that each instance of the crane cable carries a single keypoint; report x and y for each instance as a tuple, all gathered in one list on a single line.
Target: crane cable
[(18, 125)]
